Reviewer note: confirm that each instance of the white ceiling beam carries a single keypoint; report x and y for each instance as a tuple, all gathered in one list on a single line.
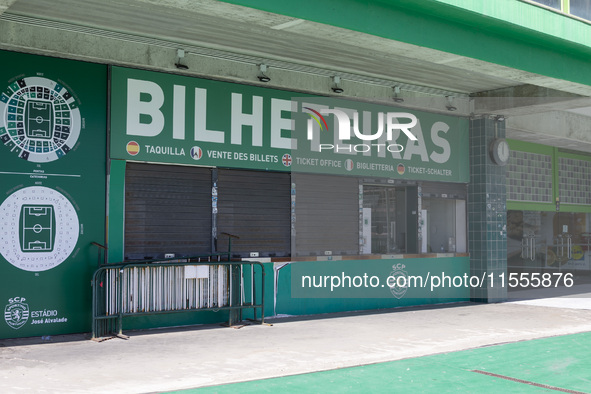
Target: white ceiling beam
[(526, 99)]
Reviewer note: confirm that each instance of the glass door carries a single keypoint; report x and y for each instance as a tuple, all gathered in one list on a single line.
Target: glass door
[(385, 208), (570, 241), (548, 241), (526, 241)]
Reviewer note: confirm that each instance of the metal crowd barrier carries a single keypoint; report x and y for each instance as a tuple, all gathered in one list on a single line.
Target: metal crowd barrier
[(199, 283)]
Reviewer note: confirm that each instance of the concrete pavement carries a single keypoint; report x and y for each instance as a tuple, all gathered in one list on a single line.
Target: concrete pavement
[(165, 360)]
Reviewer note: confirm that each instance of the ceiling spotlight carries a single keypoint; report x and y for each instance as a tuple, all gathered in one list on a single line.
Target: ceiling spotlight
[(450, 103), (336, 84), (396, 98), (261, 75), (180, 53)]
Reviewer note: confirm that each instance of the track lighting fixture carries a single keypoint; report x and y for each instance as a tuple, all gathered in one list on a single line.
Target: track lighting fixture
[(180, 53), (261, 75), (336, 84), (397, 97), (450, 103)]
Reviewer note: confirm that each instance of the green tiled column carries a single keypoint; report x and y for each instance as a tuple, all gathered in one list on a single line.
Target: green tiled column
[(487, 212)]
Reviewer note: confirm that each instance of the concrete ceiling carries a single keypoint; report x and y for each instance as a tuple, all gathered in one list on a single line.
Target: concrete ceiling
[(246, 32), (238, 29)]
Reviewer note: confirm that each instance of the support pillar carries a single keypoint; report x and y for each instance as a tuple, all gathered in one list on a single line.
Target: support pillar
[(487, 212)]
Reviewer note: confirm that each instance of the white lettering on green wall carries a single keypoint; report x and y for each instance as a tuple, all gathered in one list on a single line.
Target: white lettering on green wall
[(253, 120), (440, 142), (246, 123), (178, 113), (137, 105), (281, 125), (201, 131)]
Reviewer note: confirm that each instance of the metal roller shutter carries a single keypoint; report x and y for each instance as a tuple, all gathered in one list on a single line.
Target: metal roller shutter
[(254, 206), (327, 215), (167, 210)]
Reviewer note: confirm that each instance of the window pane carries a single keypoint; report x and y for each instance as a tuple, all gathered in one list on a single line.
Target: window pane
[(581, 8), (550, 3), (439, 218), (384, 215)]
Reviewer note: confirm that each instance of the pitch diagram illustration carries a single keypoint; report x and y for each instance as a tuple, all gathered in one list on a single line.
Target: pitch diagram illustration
[(39, 119), (39, 228)]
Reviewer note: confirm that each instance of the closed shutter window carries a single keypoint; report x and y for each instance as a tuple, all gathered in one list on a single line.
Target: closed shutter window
[(327, 215), (167, 210), (255, 206)]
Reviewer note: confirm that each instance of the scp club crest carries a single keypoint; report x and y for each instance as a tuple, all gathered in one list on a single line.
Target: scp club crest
[(16, 312), (398, 281)]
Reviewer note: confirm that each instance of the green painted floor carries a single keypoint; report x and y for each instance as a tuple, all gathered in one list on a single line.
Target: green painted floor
[(563, 363)]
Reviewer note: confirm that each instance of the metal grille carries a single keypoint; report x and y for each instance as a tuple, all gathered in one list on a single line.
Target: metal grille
[(159, 289), (255, 206), (167, 210), (326, 215)]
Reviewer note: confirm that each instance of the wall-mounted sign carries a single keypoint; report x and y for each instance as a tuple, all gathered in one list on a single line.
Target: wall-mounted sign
[(157, 117), (52, 194)]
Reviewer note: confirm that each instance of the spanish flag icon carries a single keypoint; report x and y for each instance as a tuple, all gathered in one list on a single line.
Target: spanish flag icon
[(133, 148)]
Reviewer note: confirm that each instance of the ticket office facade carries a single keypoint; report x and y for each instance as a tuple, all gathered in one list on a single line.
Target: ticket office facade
[(186, 159), (250, 162), (103, 185)]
